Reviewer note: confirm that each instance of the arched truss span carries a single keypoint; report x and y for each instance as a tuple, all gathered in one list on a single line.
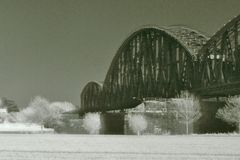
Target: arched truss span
[(220, 57), (151, 62), (162, 61), (90, 96)]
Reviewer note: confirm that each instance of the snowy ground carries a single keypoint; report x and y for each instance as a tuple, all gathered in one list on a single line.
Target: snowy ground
[(23, 128), (76, 147)]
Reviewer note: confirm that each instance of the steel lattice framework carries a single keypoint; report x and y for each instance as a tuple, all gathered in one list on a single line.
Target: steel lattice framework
[(163, 61), (219, 62), (90, 96)]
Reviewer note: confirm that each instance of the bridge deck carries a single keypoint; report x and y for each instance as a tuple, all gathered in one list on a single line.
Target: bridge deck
[(223, 90)]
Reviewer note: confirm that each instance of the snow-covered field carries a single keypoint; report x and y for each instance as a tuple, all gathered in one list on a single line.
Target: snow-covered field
[(23, 128), (76, 147)]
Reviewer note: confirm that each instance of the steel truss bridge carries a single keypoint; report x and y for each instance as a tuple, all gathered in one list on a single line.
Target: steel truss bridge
[(162, 61)]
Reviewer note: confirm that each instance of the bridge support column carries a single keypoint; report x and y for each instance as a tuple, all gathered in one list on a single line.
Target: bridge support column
[(112, 123)]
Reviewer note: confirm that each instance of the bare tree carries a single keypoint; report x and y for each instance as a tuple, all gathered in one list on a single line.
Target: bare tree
[(187, 109), (230, 113)]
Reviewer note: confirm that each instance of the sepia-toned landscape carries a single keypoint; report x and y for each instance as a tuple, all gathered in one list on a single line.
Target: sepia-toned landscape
[(129, 79)]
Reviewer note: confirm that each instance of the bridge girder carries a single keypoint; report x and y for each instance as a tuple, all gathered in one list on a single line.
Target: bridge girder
[(90, 97), (162, 61), (151, 62), (219, 60)]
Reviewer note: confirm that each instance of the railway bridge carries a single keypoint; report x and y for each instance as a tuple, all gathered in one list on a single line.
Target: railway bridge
[(163, 61)]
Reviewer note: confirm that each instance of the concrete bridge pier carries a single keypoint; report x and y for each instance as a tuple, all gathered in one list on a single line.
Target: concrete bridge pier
[(157, 123), (112, 123)]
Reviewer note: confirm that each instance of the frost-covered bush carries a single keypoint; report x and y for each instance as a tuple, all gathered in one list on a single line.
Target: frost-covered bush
[(3, 115), (231, 112), (42, 112), (137, 123), (92, 123), (36, 112)]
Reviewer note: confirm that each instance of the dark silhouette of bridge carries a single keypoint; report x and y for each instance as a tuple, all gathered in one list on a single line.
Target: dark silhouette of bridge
[(161, 62)]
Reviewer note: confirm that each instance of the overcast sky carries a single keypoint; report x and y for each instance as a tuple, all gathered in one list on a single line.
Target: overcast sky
[(53, 48)]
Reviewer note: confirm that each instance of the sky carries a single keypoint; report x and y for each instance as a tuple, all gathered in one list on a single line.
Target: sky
[(52, 48)]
